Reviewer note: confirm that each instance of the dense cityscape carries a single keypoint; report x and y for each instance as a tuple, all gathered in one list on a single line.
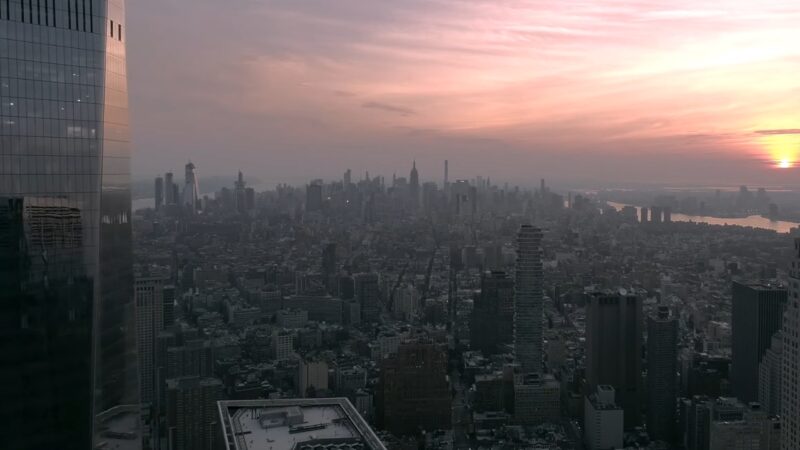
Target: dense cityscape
[(461, 314), (418, 312)]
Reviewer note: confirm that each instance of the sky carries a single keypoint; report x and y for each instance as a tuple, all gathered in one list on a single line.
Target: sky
[(592, 91)]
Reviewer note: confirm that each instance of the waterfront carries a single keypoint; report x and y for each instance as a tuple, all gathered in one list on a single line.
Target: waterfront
[(751, 221)]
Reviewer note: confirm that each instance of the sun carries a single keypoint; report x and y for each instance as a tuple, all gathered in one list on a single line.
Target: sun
[(784, 164)]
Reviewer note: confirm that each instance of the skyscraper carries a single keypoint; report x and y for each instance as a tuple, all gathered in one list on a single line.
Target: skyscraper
[(757, 315), (413, 187), (769, 376), (159, 192), (367, 295), (313, 197), (67, 346), (662, 379), (613, 348), (492, 321), (192, 419), (528, 300), (790, 385), (169, 189), (191, 189), (148, 293), (239, 193)]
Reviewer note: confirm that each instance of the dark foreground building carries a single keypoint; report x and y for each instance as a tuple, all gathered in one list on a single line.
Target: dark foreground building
[(613, 348), (67, 345), (414, 390), (757, 315)]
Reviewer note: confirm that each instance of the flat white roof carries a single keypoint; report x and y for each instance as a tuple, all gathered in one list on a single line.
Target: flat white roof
[(289, 423)]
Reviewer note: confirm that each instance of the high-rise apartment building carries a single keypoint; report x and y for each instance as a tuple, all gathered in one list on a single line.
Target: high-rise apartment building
[(67, 346), (757, 315), (613, 348), (192, 418), (528, 300), (790, 384), (148, 294), (662, 378)]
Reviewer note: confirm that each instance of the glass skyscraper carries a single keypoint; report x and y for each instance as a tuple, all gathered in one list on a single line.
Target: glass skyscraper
[(68, 377)]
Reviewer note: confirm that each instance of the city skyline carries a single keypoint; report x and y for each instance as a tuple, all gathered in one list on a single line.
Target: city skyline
[(631, 91)]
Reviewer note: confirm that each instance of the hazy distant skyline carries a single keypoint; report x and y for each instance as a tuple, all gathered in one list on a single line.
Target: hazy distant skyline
[(608, 90)]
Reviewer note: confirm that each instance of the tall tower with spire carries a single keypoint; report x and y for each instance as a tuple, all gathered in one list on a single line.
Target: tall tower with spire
[(413, 190), (191, 189)]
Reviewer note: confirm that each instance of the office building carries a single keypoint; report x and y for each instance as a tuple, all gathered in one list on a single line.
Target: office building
[(757, 315), (695, 422), (159, 193), (790, 383), (736, 426), (193, 358), (313, 377), (192, 419), (67, 344), (282, 344), (294, 424), (148, 295), (613, 348), (169, 306), (528, 300), (537, 399), (769, 376), (414, 390), (492, 321), (603, 419), (662, 374), (367, 295)]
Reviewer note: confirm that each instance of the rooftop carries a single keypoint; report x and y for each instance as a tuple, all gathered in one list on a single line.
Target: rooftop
[(288, 424)]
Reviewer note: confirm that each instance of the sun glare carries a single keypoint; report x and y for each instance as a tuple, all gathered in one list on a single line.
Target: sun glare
[(782, 149)]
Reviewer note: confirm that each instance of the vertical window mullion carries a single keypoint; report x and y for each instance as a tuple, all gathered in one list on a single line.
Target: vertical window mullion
[(69, 13)]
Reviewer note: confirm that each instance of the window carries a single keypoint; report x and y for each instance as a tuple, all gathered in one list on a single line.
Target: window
[(119, 32), (112, 28)]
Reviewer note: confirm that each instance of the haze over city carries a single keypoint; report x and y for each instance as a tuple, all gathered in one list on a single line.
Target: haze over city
[(610, 91)]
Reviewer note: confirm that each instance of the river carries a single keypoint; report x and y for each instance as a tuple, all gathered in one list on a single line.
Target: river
[(751, 221)]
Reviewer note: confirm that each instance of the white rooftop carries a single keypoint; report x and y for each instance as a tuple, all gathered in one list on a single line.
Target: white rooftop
[(295, 424)]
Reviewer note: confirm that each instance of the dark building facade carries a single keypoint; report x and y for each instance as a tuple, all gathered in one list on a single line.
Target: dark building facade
[(662, 378), (757, 315), (613, 348), (492, 321), (67, 344), (414, 391)]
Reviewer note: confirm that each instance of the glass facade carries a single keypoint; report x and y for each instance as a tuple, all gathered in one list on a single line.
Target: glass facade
[(68, 377)]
